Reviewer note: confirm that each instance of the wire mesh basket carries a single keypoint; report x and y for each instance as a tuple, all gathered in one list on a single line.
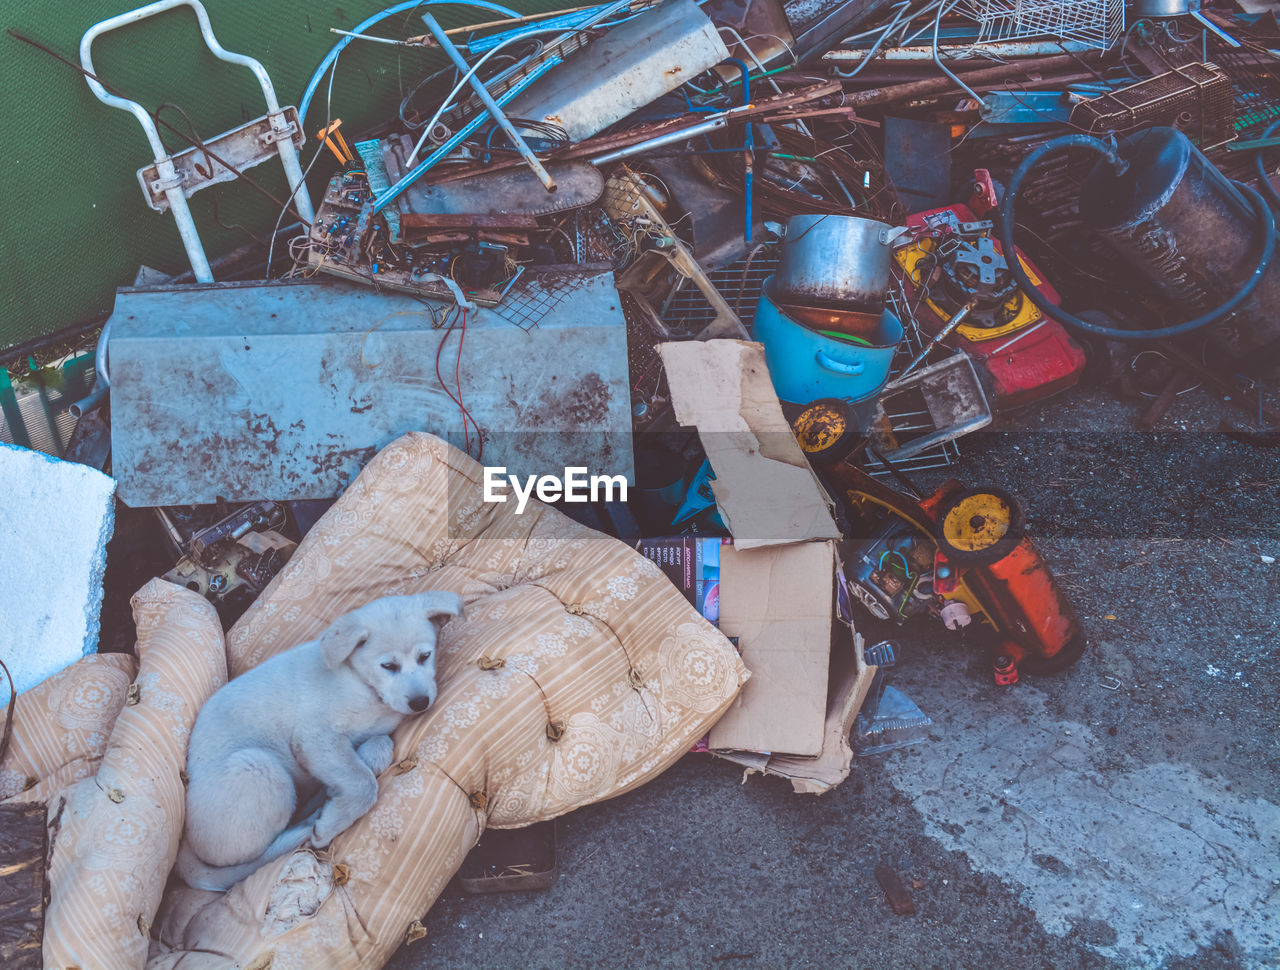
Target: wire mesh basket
[(1096, 23)]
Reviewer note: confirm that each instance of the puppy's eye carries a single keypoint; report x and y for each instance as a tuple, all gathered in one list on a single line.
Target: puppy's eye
[(392, 666), (423, 657)]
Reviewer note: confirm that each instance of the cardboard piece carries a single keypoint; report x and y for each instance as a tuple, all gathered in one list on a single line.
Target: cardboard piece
[(766, 491), (775, 606), (775, 591), (850, 679), (777, 603)]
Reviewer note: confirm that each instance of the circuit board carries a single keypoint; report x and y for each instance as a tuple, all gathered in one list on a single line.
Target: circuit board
[(348, 241)]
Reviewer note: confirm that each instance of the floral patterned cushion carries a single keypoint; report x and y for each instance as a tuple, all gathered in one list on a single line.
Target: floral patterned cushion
[(60, 726), (578, 673)]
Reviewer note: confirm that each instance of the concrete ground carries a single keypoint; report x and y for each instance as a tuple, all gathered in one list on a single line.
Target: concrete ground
[(1123, 814)]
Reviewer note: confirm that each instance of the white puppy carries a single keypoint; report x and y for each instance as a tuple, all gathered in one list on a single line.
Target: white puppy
[(313, 722)]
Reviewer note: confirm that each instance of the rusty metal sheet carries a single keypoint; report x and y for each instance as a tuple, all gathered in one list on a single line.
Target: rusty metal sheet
[(285, 390), (516, 191), (633, 64)]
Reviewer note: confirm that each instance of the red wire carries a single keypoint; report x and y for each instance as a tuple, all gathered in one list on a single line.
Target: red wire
[(466, 415), (457, 381)]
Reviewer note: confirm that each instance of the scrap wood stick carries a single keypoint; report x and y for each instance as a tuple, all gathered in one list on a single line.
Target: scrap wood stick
[(843, 112), (938, 85)]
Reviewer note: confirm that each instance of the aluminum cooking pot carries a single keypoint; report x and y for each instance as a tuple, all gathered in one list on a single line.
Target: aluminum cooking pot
[(1164, 8), (840, 260)]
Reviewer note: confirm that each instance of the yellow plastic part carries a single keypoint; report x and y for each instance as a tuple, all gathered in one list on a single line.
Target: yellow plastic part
[(978, 522), (1024, 311), (819, 427)]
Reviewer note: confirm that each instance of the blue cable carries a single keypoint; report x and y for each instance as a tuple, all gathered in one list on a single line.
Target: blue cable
[(364, 25)]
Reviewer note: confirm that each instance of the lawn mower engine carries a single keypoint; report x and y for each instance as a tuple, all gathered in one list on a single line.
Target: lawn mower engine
[(960, 555), (952, 260), (977, 564)]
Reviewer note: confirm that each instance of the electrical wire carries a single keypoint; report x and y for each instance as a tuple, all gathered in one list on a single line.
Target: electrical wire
[(937, 22), (406, 102), (884, 36), (466, 80), (454, 314), (333, 70), (368, 22)]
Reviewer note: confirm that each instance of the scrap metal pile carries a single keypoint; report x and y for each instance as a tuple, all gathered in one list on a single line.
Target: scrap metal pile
[(834, 238), (931, 214)]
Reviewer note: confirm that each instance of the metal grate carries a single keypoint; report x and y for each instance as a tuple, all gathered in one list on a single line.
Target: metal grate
[(533, 296), (686, 311), (1195, 98), (1256, 87), (47, 425), (1096, 23)]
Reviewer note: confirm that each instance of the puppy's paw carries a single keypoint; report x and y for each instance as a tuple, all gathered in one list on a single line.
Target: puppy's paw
[(321, 836), (377, 753)]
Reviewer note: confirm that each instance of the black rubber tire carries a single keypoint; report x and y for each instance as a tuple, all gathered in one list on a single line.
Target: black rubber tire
[(845, 442), (1060, 661)]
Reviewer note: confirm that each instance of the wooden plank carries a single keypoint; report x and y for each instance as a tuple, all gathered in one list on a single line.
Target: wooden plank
[(23, 841)]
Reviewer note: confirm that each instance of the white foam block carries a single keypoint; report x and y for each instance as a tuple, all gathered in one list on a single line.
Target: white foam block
[(55, 520)]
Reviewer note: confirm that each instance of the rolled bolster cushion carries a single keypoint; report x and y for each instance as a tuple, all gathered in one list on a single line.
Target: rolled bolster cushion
[(60, 726), (115, 835)]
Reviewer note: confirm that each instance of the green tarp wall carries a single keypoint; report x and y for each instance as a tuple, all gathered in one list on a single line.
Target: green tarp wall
[(74, 223)]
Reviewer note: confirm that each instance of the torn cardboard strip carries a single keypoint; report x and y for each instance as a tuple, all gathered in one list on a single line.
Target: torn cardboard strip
[(766, 491)]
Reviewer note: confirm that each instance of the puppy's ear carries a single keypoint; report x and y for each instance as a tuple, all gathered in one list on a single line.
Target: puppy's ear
[(440, 603), (345, 636)]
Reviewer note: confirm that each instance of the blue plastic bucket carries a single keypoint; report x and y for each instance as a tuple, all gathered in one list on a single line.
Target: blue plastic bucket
[(806, 365)]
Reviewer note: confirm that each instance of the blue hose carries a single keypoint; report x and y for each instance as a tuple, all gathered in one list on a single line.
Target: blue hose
[(1263, 178), (365, 24), (1262, 211)]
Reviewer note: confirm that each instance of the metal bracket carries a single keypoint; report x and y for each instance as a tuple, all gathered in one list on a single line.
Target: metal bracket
[(244, 147)]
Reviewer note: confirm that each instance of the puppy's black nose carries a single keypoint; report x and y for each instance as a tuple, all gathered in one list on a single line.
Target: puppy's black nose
[(419, 703)]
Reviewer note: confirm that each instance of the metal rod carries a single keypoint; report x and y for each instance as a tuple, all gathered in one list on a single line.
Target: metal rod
[(937, 338), (508, 21), (748, 150), (671, 138), (486, 99), (393, 193), (1020, 48)]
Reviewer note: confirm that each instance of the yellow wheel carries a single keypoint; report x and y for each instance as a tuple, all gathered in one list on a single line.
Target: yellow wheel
[(827, 431), (978, 526)]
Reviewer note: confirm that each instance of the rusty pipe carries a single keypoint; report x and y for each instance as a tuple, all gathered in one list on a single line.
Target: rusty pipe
[(940, 85)]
